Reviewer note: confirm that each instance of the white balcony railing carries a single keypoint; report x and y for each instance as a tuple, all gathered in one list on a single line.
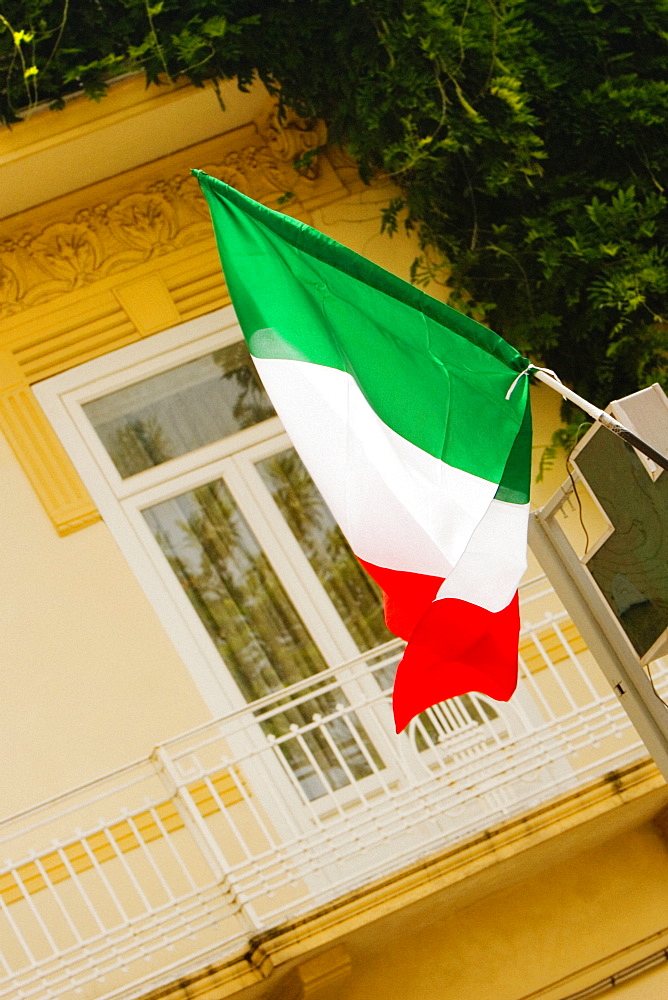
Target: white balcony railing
[(136, 878)]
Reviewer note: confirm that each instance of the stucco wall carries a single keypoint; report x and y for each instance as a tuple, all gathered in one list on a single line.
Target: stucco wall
[(547, 925), (89, 680)]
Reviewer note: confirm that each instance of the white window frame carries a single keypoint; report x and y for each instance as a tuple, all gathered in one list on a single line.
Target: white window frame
[(120, 501)]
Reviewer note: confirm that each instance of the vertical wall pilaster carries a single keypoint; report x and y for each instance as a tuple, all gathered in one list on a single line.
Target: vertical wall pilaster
[(40, 453)]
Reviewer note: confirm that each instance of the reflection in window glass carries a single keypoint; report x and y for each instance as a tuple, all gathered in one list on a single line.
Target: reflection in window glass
[(234, 590), (180, 410), (254, 626), (356, 597)]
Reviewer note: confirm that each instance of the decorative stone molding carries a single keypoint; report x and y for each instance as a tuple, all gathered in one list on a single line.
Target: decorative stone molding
[(294, 143), (148, 304), (107, 238), (319, 978), (40, 453), (99, 242), (107, 265)]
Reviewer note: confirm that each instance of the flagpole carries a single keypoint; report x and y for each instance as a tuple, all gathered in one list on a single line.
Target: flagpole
[(603, 418)]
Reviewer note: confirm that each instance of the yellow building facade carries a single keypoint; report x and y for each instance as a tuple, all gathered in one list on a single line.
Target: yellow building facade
[(189, 810)]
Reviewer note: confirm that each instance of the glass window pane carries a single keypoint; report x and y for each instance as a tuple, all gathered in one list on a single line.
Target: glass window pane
[(234, 590), (351, 590), (254, 626), (180, 410)]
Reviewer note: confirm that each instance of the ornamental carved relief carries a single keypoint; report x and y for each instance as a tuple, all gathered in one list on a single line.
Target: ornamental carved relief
[(145, 223), (281, 157), (69, 252), (293, 140), (10, 290)]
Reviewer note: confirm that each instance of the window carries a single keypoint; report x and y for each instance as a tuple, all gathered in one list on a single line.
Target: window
[(189, 465)]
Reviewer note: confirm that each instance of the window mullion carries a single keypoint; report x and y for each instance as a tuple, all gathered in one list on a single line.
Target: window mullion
[(289, 562)]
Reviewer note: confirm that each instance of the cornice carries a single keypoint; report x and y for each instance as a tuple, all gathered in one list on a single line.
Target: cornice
[(43, 128), (116, 226), (53, 153)]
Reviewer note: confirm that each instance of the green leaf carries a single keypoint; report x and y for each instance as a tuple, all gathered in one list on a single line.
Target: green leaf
[(215, 27)]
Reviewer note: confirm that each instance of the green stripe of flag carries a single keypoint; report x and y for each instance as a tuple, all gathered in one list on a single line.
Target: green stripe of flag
[(433, 375)]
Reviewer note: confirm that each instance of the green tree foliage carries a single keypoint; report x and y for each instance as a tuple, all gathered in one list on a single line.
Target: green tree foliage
[(528, 138)]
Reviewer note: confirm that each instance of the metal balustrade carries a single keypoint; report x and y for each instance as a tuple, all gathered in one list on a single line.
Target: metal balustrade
[(134, 879)]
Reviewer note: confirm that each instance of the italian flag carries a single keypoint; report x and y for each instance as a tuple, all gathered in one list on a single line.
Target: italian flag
[(415, 425)]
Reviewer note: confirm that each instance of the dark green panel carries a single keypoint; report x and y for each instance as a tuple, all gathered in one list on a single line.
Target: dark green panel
[(631, 567)]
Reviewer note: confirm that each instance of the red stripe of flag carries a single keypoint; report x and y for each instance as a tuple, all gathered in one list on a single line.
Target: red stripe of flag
[(453, 647)]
